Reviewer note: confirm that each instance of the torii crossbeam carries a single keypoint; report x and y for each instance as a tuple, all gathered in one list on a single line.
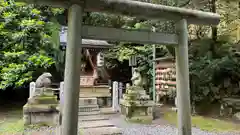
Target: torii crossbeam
[(76, 31)]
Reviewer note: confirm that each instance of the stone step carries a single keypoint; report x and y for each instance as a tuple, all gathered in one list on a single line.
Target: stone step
[(85, 95), (102, 131), (88, 113), (92, 118), (87, 101), (95, 124), (88, 108)]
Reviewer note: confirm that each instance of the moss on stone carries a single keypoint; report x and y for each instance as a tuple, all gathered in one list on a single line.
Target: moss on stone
[(46, 100), (39, 125), (43, 99)]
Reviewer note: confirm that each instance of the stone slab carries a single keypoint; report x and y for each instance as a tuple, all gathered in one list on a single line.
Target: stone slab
[(27, 108), (87, 101), (88, 113), (136, 103), (97, 86), (95, 124), (140, 92), (133, 97), (107, 111), (92, 118), (85, 95), (88, 108), (43, 100), (102, 131)]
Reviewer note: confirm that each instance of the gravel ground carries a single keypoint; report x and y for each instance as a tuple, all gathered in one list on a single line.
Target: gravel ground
[(162, 128), (136, 129)]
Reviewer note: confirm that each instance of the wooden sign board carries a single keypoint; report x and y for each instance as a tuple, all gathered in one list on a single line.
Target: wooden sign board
[(165, 76)]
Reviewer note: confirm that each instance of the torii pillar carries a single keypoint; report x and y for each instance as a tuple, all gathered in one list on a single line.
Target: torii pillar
[(72, 72), (182, 79)]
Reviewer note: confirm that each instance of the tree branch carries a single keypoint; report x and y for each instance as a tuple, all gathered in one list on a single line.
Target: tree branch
[(185, 4)]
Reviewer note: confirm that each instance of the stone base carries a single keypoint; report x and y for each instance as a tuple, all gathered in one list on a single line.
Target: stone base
[(40, 114), (140, 114), (100, 101), (88, 106), (41, 109), (136, 105)]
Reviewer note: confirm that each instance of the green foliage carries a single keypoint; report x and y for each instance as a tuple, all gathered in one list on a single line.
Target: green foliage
[(25, 42), (212, 78), (12, 127), (124, 51)]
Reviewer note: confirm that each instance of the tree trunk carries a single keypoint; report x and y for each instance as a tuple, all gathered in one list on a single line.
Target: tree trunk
[(214, 28)]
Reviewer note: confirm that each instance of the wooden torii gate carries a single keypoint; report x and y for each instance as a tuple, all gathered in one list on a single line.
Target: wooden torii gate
[(77, 31)]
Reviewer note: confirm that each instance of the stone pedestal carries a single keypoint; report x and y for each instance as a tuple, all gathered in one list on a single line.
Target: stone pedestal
[(41, 109), (136, 105), (101, 92)]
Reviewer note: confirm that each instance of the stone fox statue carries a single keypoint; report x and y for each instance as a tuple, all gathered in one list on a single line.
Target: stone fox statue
[(44, 80), (138, 79)]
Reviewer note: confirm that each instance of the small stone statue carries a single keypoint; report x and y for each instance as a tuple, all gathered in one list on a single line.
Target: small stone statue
[(43, 81), (127, 86), (137, 79)]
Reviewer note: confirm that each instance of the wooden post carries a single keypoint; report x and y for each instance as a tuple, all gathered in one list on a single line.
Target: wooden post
[(182, 79), (72, 72)]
